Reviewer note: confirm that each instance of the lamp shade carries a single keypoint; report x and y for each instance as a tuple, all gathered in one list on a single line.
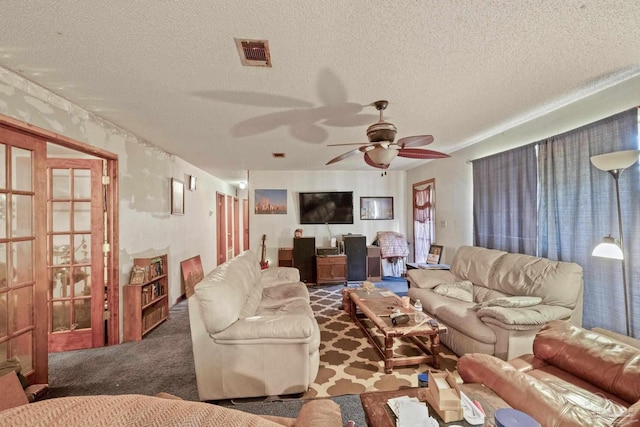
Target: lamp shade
[(615, 160), (382, 156), (608, 249)]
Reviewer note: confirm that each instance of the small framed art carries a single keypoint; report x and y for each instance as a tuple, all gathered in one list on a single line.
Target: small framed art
[(435, 253), (376, 207), (177, 197)]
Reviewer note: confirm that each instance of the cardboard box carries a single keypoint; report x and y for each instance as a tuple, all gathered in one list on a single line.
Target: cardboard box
[(443, 396)]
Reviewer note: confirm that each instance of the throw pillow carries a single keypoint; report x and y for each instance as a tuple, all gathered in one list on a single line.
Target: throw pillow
[(462, 291), (510, 302)]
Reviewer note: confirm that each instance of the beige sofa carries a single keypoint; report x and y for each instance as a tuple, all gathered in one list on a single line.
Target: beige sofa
[(494, 302), (253, 331)]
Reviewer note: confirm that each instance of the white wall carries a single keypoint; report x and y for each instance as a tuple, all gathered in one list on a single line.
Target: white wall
[(146, 226), (279, 228), (454, 180)]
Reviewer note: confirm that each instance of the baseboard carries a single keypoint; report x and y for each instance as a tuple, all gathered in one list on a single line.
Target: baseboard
[(181, 298)]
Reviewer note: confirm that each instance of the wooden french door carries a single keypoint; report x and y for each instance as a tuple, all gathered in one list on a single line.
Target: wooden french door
[(75, 262), (22, 273)]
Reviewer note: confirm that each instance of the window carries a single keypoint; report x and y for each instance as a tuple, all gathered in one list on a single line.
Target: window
[(423, 219)]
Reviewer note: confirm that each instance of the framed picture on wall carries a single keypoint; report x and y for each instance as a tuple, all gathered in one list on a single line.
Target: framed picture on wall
[(435, 254), (177, 197), (376, 207), (270, 202)]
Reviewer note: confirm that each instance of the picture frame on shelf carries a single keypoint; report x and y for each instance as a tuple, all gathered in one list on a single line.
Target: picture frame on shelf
[(435, 254), (137, 275), (177, 197), (376, 208)]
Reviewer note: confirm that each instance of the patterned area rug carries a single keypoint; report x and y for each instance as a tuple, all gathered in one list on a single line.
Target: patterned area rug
[(348, 362)]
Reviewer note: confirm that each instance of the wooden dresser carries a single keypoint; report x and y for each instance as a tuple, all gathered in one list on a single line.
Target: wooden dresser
[(331, 269)]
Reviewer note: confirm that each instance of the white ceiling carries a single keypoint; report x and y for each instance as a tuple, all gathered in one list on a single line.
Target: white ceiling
[(169, 71)]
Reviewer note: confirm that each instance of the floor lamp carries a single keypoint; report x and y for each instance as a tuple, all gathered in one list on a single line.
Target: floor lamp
[(615, 163)]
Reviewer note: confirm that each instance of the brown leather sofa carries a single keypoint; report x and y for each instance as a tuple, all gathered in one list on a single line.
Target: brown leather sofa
[(575, 377)]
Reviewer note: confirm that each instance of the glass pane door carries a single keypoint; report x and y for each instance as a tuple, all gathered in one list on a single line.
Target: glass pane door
[(75, 214)]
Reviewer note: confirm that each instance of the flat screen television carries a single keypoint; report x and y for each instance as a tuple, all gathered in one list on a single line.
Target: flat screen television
[(329, 207)]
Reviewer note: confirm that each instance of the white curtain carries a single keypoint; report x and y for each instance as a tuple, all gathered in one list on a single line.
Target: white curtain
[(422, 223)]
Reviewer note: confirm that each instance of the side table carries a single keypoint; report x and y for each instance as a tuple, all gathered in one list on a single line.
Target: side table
[(378, 414)]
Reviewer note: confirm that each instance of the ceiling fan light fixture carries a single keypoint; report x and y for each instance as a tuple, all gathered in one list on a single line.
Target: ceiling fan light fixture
[(382, 156), (382, 131)]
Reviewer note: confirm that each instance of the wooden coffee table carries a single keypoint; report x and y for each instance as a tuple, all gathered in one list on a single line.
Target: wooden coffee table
[(377, 306), (378, 414)]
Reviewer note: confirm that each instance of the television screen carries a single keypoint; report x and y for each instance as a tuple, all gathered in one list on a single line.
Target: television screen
[(335, 207)]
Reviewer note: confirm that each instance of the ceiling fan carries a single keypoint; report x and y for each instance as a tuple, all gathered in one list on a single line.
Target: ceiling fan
[(382, 149)]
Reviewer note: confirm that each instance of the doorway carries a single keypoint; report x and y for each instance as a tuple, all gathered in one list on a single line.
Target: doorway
[(29, 256), (75, 230)]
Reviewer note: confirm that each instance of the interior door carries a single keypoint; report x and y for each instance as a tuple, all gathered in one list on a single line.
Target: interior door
[(75, 263), (222, 229), (229, 227), (236, 226), (245, 224), (22, 273)]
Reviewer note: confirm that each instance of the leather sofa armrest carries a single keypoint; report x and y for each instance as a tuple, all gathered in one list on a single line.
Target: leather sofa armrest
[(279, 327), (522, 318), (319, 413), (279, 275)]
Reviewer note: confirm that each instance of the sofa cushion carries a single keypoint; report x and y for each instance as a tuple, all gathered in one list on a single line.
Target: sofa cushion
[(279, 275), (275, 296), (510, 302), (557, 283), (607, 363), (223, 292), (427, 279), (252, 304), (462, 291), (463, 318), (475, 264), (523, 318)]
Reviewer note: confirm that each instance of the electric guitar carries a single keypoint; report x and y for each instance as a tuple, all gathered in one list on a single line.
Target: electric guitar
[(264, 263)]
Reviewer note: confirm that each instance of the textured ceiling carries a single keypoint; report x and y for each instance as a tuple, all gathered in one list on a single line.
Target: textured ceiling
[(169, 71)]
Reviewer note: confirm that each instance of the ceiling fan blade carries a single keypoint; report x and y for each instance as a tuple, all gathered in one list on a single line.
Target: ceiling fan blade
[(370, 162), (343, 156), (415, 141), (418, 153), (351, 143)]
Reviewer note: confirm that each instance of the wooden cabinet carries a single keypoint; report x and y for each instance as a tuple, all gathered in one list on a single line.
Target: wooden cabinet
[(331, 269), (374, 264), (285, 257), (146, 304)]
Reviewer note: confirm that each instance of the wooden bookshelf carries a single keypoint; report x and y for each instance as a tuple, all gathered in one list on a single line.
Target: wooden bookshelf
[(146, 304)]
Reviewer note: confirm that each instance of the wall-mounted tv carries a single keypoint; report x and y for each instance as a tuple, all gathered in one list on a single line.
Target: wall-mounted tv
[(332, 207)]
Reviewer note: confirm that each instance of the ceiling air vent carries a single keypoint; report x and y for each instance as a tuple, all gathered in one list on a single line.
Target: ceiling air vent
[(254, 53)]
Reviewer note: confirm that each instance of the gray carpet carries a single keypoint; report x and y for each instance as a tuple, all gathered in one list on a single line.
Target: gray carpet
[(161, 362)]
